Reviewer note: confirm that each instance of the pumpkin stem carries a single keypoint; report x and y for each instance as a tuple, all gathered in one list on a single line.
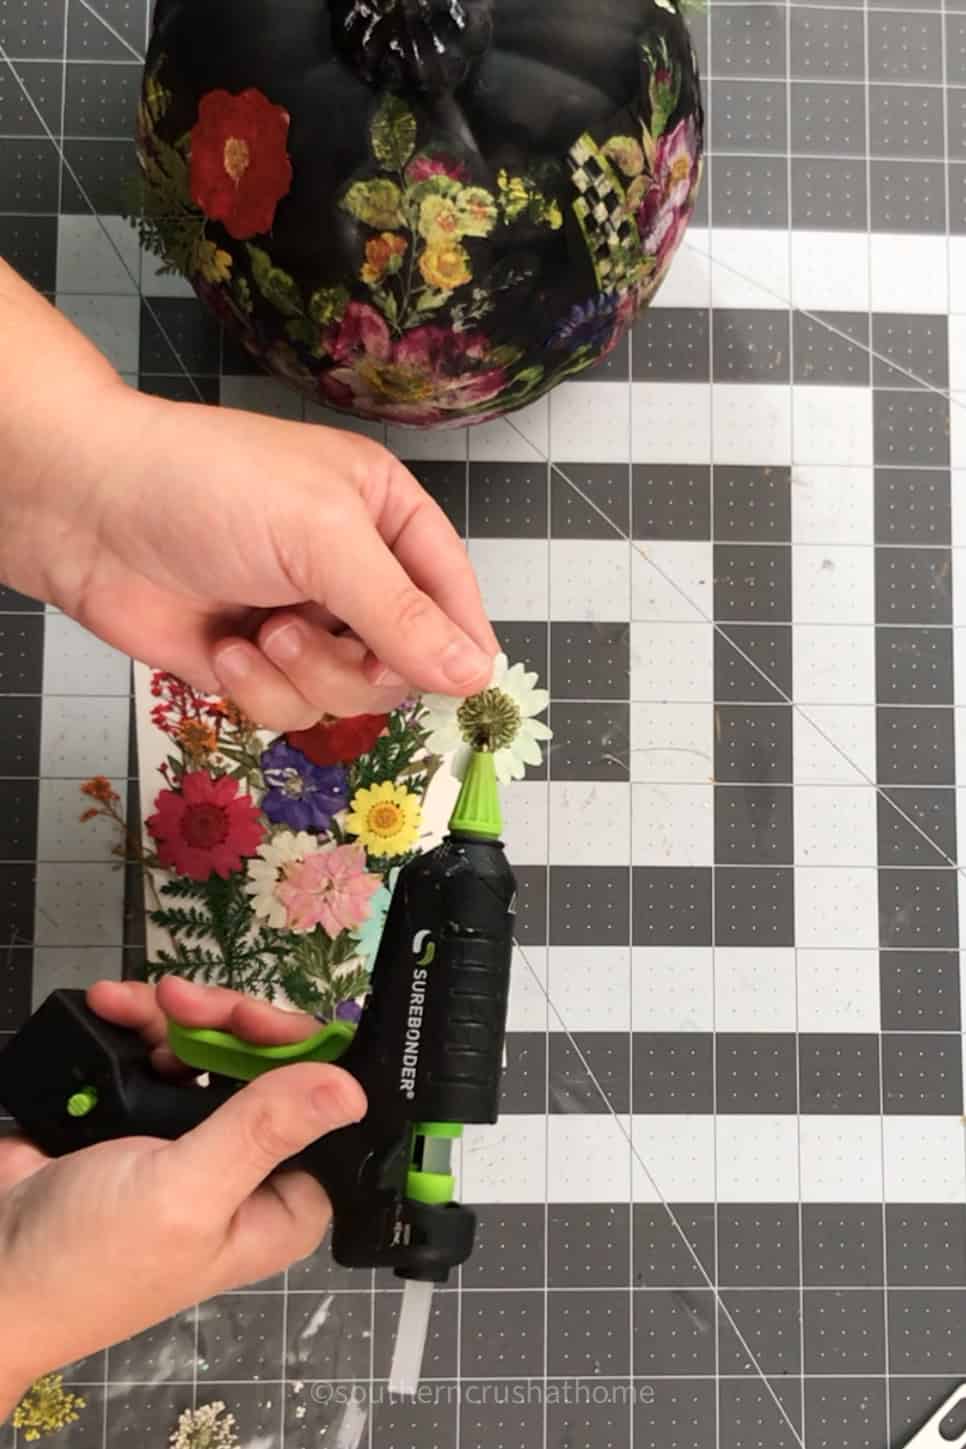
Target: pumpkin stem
[(412, 45)]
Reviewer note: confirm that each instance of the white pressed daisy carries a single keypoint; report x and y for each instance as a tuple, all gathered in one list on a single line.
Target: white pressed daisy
[(501, 718), (266, 870)]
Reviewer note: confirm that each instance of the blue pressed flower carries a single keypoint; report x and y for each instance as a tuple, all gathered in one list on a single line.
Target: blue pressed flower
[(369, 934), (301, 795), (590, 324)]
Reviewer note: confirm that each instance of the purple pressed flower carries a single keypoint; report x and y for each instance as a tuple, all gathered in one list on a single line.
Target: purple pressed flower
[(301, 795), (590, 324), (348, 1011)]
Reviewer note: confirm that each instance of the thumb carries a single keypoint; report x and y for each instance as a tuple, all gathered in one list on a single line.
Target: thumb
[(18, 1159), (278, 1115)]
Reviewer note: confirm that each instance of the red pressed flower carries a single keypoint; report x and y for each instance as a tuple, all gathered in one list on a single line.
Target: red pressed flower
[(205, 829), (339, 741), (240, 168)]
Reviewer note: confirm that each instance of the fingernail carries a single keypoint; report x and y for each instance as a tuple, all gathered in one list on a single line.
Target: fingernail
[(284, 645), (329, 1105), (234, 662), (387, 679), (463, 661)]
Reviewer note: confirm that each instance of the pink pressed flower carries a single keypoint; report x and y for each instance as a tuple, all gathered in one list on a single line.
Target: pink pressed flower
[(666, 208), (331, 889), (421, 168), (361, 331), (676, 160), (428, 374)]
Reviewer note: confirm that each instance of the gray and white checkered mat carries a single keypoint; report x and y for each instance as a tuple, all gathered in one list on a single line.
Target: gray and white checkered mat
[(738, 556)]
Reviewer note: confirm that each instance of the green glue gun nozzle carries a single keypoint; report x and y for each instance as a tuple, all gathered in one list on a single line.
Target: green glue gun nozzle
[(477, 809)]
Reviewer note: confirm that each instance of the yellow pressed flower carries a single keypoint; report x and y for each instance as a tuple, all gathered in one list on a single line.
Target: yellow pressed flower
[(394, 382), (637, 191), (477, 211), (519, 195), (457, 212), (514, 192), (386, 818), (46, 1407), (213, 264), (627, 153), (445, 265), (439, 218)]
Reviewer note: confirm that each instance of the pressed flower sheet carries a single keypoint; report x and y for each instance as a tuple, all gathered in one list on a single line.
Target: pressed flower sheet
[(270, 860), (288, 859)]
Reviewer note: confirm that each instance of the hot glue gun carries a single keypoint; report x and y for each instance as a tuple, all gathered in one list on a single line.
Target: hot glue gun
[(427, 1050)]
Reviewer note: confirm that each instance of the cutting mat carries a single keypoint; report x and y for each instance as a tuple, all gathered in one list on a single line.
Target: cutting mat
[(726, 1205)]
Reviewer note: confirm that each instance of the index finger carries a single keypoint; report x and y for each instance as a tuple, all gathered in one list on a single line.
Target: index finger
[(146, 1010), (433, 554), (215, 1008)]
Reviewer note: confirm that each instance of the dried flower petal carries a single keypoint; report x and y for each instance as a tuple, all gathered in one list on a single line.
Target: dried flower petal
[(210, 1427), (100, 788), (46, 1407)]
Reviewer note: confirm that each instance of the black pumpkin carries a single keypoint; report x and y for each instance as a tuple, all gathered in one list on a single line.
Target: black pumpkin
[(422, 211)]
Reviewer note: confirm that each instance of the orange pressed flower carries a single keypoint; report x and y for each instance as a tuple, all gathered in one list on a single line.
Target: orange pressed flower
[(100, 788), (383, 254), (230, 711), (196, 737)]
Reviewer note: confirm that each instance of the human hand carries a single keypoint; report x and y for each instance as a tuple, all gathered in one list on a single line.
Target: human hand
[(103, 1243), (299, 569)]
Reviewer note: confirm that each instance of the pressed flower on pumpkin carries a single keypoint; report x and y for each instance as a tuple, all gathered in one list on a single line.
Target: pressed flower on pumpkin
[(596, 323), (665, 210), (240, 168), (430, 198), (206, 828), (445, 266), (428, 164), (211, 263), (331, 889), (519, 197), (627, 153), (448, 210), (427, 373), (384, 254), (386, 818)]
